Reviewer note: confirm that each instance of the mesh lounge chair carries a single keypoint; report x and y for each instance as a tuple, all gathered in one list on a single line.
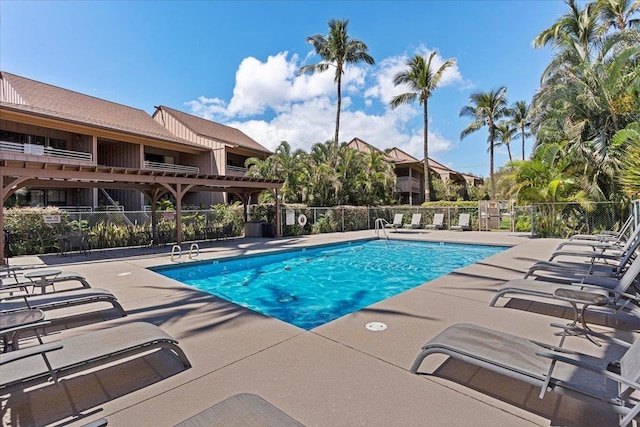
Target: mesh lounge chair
[(66, 276), (61, 300), (397, 221), (463, 223), (607, 236), (546, 366), (603, 251), (613, 267), (241, 410), (52, 360), (415, 221), (438, 219), (593, 290)]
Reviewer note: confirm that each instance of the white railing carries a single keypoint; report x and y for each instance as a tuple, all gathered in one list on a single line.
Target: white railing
[(168, 167), (41, 150)]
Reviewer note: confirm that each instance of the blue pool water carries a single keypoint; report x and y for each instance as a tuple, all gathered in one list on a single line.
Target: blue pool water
[(313, 286)]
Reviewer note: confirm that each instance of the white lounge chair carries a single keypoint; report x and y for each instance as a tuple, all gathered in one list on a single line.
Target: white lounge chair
[(397, 221), (463, 223), (546, 366), (415, 221), (438, 220), (602, 251)]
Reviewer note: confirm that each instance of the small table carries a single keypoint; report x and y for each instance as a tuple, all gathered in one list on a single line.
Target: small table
[(9, 321), (42, 278)]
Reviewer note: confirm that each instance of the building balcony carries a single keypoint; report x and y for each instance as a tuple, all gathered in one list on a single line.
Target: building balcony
[(25, 151), (168, 167), (407, 184)]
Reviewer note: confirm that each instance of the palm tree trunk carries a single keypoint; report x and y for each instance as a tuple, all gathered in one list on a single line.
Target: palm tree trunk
[(427, 174), (522, 131), (509, 152), (339, 72), (492, 137)]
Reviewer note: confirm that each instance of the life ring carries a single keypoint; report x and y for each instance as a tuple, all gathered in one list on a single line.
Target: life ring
[(302, 220)]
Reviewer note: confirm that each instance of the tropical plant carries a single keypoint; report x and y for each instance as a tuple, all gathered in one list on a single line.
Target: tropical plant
[(630, 173), (422, 77), (590, 90), (486, 109), (337, 49), (285, 164)]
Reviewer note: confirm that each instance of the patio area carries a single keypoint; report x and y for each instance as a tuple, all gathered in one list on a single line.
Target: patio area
[(338, 374)]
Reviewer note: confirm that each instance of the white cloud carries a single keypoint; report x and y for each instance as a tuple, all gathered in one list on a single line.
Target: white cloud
[(272, 103)]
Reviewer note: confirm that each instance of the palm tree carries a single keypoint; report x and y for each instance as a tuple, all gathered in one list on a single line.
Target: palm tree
[(485, 109), (505, 131), (422, 78), (617, 13), (519, 113), (337, 49)]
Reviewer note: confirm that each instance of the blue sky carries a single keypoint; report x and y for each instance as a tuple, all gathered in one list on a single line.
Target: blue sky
[(236, 63)]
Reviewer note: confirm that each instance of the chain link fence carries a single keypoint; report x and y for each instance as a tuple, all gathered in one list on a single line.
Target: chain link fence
[(46, 230)]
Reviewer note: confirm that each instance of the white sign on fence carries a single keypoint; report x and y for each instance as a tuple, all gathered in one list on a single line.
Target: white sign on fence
[(290, 217), (52, 219)]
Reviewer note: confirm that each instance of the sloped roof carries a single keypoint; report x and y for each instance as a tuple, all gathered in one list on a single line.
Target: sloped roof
[(63, 104), (216, 131)]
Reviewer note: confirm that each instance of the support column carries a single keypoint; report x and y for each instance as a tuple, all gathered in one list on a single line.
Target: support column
[(2, 254), (278, 215)]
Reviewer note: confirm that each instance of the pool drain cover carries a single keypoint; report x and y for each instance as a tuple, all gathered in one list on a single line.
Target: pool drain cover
[(375, 326)]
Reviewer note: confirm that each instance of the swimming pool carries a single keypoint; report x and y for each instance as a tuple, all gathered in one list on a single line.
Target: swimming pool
[(313, 286)]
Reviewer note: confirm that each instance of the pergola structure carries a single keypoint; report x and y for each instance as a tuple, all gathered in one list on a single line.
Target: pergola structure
[(153, 184)]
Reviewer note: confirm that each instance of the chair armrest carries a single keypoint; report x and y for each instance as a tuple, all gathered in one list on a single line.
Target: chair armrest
[(25, 327), (580, 297), (28, 352)]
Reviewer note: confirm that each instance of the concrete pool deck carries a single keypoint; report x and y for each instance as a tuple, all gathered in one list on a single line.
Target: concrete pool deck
[(338, 374)]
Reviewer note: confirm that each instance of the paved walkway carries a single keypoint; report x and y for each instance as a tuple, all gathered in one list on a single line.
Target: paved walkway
[(338, 374)]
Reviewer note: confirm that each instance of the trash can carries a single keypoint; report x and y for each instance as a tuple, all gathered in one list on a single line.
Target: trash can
[(268, 229)]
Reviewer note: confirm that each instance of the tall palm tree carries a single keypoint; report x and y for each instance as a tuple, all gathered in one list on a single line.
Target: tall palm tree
[(519, 113), (337, 50), (422, 77), (486, 109), (505, 131)]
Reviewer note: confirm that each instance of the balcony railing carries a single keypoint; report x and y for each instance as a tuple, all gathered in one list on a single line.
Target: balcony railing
[(168, 167), (41, 150), (406, 184), (236, 170)]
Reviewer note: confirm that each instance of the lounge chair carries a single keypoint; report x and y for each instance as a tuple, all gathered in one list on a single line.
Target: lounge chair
[(60, 300), (614, 244), (415, 221), (463, 223), (397, 221), (241, 410), (13, 281), (607, 236), (545, 366), (593, 290), (612, 267), (69, 355), (438, 219), (603, 251)]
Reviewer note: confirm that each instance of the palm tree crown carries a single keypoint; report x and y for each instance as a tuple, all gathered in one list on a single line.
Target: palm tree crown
[(485, 110), (422, 78), (336, 50)]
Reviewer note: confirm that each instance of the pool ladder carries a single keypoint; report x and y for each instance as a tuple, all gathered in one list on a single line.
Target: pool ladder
[(177, 250), (380, 225)]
